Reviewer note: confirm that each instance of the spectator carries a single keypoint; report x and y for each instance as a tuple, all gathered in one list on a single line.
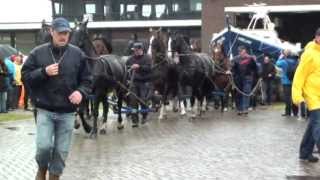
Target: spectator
[(17, 86), (10, 81), (268, 74), (284, 62), (3, 86), (305, 88)]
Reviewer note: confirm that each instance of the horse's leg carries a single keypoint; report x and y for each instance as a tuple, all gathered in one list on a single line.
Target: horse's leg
[(204, 104), (226, 100), (194, 108), (163, 113), (119, 103), (81, 111), (105, 104), (95, 110), (175, 106), (181, 99), (222, 102)]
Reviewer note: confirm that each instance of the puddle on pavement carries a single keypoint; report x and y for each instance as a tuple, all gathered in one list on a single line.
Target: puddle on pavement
[(12, 128), (303, 177)]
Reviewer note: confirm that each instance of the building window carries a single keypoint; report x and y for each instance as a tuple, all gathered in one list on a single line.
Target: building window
[(131, 7), (175, 7), (160, 10), (58, 8), (90, 8), (146, 10), (195, 5)]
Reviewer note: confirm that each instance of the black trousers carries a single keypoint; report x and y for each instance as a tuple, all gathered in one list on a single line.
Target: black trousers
[(290, 107), (143, 91)]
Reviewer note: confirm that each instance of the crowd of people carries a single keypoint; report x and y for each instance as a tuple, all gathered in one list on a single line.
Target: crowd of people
[(12, 93)]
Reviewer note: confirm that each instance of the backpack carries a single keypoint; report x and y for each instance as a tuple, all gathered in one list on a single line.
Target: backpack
[(291, 70)]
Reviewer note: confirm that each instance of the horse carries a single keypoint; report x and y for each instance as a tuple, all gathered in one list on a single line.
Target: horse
[(165, 72), (43, 35), (109, 74), (221, 80), (194, 69)]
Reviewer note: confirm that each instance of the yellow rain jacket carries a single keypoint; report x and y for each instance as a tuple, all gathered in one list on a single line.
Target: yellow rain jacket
[(306, 82)]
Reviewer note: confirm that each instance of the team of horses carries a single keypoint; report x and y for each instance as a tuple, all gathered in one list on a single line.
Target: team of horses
[(178, 74)]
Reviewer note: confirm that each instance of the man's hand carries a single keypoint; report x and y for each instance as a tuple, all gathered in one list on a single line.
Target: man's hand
[(75, 97), (53, 69), (228, 72), (269, 75), (135, 66)]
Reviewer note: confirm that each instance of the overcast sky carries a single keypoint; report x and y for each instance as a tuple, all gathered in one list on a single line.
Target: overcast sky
[(25, 10)]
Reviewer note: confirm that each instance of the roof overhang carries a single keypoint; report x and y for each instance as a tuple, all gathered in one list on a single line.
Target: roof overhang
[(110, 24), (274, 9)]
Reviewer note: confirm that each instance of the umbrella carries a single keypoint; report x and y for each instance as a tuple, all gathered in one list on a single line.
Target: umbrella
[(7, 50)]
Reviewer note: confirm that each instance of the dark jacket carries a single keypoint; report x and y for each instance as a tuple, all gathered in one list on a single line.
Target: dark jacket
[(244, 67), (268, 68), (3, 75), (143, 74), (52, 92)]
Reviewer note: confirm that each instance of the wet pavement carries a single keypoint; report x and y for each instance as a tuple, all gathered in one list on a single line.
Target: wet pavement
[(262, 146)]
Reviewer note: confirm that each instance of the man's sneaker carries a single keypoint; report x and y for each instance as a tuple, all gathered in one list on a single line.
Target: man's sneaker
[(311, 159)]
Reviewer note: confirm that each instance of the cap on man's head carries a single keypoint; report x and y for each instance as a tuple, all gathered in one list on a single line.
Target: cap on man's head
[(137, 45), (61, 25), (317, 32)]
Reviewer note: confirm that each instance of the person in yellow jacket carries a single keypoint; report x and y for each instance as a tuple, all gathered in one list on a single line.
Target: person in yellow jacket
[(305, 88), (18, 83)]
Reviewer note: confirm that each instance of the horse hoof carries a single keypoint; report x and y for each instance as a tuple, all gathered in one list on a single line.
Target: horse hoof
[(76, 125), (93, 134), (103, 131), (120, 126)]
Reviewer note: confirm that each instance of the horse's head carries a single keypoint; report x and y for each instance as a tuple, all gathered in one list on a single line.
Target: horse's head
[(80, 37), (102, 45), (218, 53), (158, 45), (44, 35), (179, 43)]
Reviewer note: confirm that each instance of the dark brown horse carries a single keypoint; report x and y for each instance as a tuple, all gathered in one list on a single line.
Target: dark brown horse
[(221, 80), (108, 72), (165, 72), (194, 70)]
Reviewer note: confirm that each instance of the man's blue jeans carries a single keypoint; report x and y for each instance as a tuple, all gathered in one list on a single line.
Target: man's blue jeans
[(243, 101), (53, 140), (312, 134)]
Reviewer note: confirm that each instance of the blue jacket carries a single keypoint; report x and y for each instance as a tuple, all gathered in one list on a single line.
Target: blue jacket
[(11, 72), (284, 63)]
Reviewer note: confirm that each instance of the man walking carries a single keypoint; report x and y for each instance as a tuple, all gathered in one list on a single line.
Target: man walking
[(305, 87), (58, 79), (245, 69), (140, 65)]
